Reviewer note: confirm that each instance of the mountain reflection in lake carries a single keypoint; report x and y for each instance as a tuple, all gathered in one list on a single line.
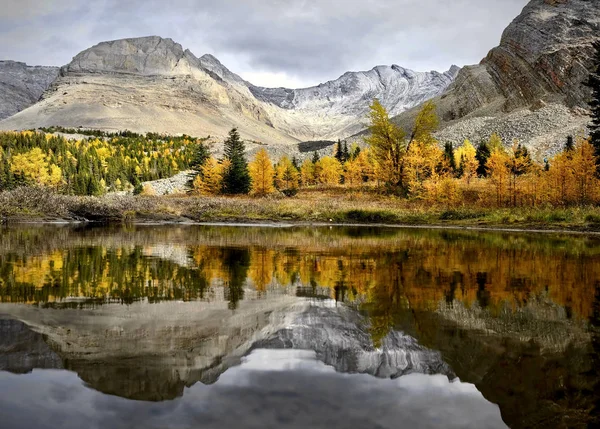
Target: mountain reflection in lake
[(197, 324)]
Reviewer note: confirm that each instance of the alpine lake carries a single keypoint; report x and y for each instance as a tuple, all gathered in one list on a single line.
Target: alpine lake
[(241, 326)]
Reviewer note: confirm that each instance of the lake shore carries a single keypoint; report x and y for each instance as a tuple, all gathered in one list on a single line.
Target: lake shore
[(27, 205)]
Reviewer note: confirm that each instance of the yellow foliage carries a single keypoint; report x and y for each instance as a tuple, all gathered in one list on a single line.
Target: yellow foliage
[(210, 179), (329, 170), (55, 176), (421, 161), (426, 124), (497, 166), (353, 174), (32, 166), (465, 160), (388, 144), (286, 175), (261, 172), (307, 173), (148, 190)]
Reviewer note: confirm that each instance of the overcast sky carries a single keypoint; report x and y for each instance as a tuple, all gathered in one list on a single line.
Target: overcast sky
[(291, 43)]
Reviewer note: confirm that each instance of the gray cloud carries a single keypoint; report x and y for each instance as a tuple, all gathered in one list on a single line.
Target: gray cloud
[(294, 41)]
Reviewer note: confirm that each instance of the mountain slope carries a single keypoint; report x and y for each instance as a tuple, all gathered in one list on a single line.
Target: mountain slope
[(530, 86), (153, 84), (22, 85)]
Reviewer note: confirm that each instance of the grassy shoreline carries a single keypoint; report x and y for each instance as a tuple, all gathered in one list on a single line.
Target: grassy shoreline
[(326, 207)]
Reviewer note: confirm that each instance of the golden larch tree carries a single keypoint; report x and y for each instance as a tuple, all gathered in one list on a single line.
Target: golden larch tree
[(388, 145), (262, 173), (466, 161), (307, 173), (329, 171), (210, 179)]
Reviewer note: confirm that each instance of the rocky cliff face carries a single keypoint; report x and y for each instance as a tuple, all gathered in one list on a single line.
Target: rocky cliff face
[(22, 85), (153, 84), (545, 53), (144, 56), (529, 87)]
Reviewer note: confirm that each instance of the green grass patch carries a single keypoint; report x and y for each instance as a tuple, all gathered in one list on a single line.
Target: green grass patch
[(371, 216)]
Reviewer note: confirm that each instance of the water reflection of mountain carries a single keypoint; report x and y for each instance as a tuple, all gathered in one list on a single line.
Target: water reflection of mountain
[(130, 353), (509, 313)]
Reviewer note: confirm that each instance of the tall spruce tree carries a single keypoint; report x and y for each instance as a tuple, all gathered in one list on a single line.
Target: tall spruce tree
[(569, 145), (346, 152), (339, 154), (482, 155), (594, 83), (201, 154), (236, 179)]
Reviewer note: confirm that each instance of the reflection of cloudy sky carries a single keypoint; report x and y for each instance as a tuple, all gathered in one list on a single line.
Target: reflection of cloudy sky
[(274, 388), (269, 42)]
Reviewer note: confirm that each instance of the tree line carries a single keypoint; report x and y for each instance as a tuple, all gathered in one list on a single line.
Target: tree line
[(416, 167), (91, 166)]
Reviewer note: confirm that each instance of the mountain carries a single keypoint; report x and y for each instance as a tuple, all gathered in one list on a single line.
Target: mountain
[(153, 84), (529, 87), (22, 85)]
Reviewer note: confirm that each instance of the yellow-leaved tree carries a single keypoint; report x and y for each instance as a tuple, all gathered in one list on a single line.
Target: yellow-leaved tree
[(262, 173), (466, 161), (584, 172), (210, 179), (499, 173), (426, 123), (388, 145), (33, 167), (421, 162), (329, 170), (560, 179), (307, 173), (353, 174), (287, 176)]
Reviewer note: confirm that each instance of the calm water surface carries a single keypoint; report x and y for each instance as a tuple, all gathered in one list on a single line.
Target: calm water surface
[(219, 327)]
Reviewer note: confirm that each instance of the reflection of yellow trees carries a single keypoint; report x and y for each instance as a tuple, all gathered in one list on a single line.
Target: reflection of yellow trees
[(261, 268), (407, 270)]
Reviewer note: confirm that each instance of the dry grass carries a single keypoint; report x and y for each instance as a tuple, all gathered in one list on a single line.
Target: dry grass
[(324, 205)]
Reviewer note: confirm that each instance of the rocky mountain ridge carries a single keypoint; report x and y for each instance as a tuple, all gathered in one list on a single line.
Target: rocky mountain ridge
[(22, 85), (153, 84)]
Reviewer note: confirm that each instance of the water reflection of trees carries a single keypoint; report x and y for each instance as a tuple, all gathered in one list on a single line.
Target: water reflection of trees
[(416, 269)]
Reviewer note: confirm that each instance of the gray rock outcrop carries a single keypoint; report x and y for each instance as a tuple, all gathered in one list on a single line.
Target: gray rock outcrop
[(145, 56), (544, 56), (21, 85)]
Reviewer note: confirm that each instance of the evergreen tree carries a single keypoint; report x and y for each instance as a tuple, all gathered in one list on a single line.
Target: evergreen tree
[(201, 154), (569, 145), (339, 154), (236, 179), (356, 152), (482, 155), (315, 157), (449, 156), (295, 163), (346, 152), (594, 84)]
